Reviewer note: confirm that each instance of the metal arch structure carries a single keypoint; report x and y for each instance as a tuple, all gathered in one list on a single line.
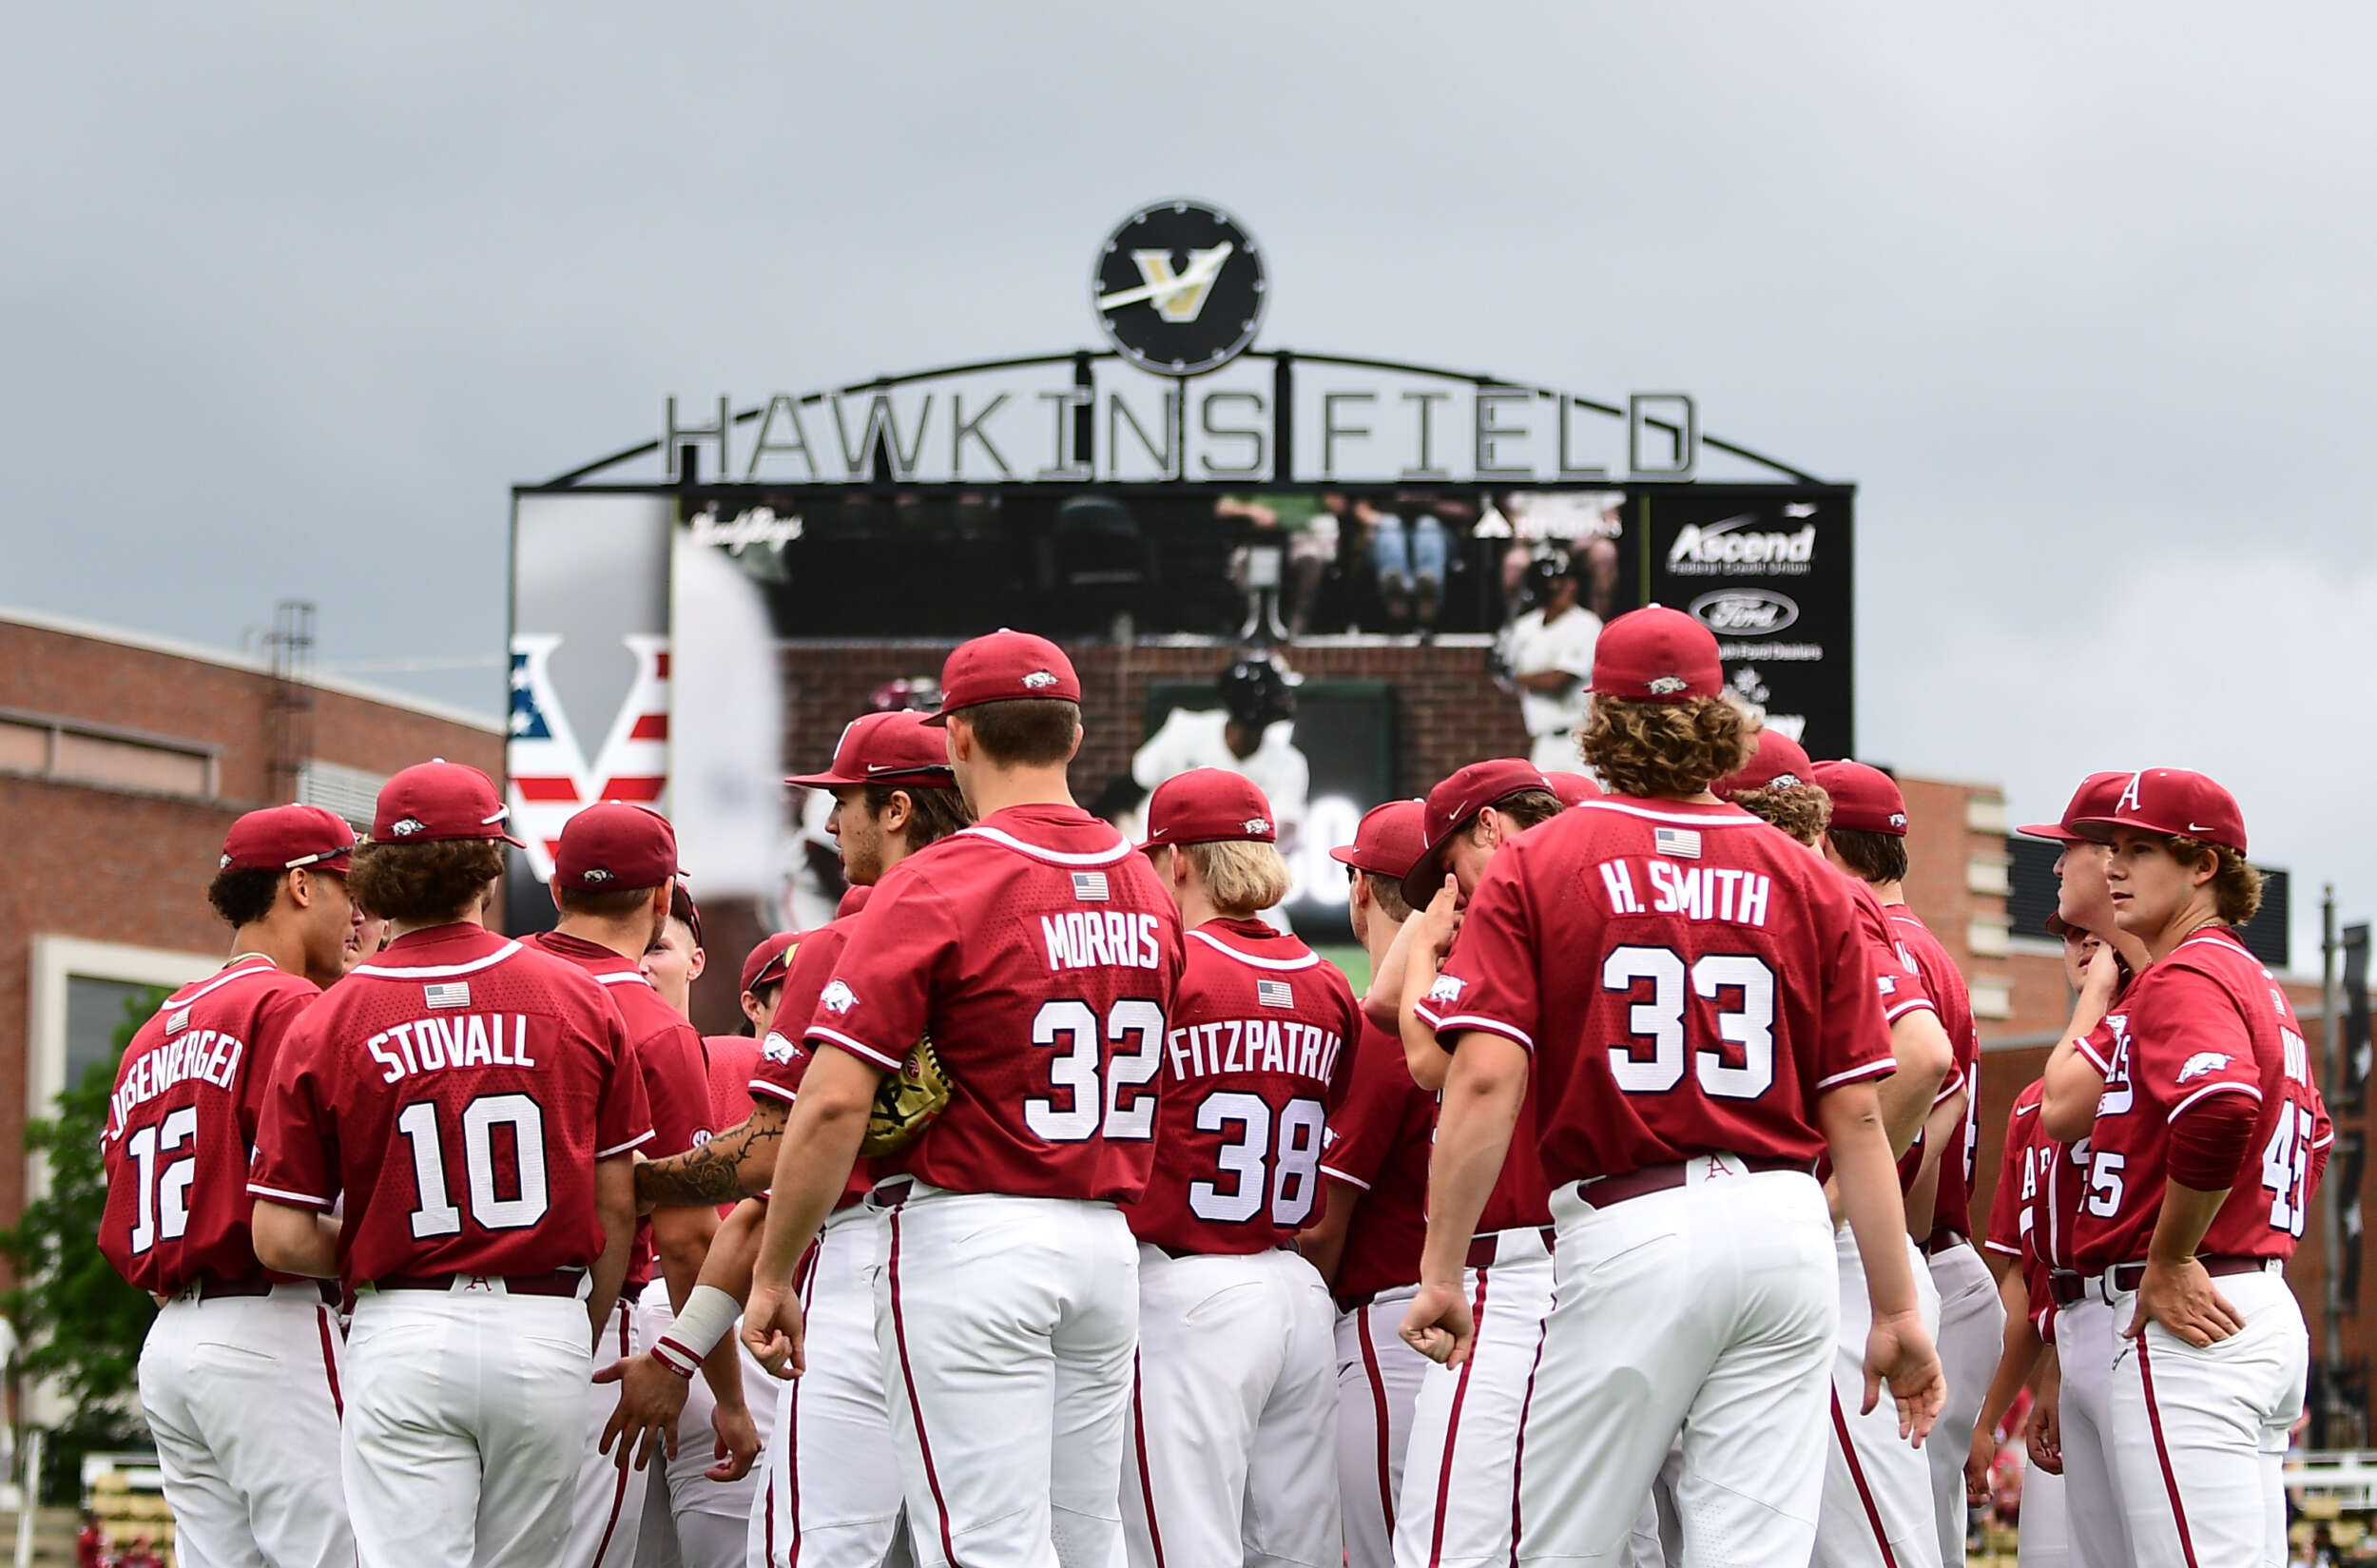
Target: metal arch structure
[(1282, 360)]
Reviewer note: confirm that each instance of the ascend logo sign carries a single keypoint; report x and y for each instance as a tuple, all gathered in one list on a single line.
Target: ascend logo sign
[(1744, 612), (1737, 547)]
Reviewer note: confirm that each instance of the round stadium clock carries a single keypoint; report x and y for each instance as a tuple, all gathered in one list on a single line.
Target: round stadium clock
[(1179, 286)]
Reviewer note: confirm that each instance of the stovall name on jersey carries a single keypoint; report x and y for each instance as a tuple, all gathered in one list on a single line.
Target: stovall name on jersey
[(468, 1040), (1100, 939), (1694, 892), (1254, 1045), (209, 1056)]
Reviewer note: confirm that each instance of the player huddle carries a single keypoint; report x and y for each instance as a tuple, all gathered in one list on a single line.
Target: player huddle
[(1623, 1221)]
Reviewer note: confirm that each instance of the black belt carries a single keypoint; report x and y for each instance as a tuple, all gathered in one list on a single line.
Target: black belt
[(216, 1287), (2126, 1277), (559, 1282), (2066, 1285), (1944, 1240)]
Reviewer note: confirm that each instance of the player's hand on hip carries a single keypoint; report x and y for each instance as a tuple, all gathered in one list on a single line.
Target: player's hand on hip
[(1977, 1462), (772, 1328), (1899, 1351), (651, 1400), (1437, 1325), (2043, 1433), (737, 1445), (2179, 1296)]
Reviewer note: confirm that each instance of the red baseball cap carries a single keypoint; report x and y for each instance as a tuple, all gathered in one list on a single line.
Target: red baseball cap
[(1453, 804), (682, 907), (894, 747), (768, 962), (1778, 762), (1573, 788), (854, 898), (436, 801), (1209, 805), (2094, 797), (614, 844), (1655, 654), (1388, 838), (1864, 800), (283, 837), (1002, 667), (2174, 802)]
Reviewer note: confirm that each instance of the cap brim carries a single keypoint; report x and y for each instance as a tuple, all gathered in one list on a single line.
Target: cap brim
[(2054, 832), (1426, 874), (822, 781)]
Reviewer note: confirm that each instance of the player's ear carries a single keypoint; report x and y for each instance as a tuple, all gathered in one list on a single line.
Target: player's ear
[(1075, 750), (554, 887), (302, 886)]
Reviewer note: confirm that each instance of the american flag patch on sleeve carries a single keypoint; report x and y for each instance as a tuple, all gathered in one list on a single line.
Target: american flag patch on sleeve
[(1681, 842), (1275, 994), (1089, 886), (448, 994)]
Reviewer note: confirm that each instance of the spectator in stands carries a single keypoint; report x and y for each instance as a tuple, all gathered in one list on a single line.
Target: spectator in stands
[(1306, 525), (1409, 558), (1549, 650), (90, 1542)]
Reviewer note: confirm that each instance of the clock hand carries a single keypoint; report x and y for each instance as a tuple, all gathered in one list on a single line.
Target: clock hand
[(1203, 271)]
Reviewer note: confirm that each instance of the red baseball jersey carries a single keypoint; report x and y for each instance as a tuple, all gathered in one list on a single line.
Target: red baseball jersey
[(1040, 953), (668, 1051), (782, 1057), (1380, 1140), (458, 1090), (733, 1059), (2018, 1219), (1944, 986), (1688, 981), (182, 1126), (1256, 1050), (2207, 1019)]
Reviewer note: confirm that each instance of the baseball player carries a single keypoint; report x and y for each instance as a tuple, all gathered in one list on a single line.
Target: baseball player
[(1866, 840), (230, 1338), (676, 958), (1252, 733), (614, 874), (475, 1105), (1235, 1392), (1550, 650), (1878, 1500), (1695, 997), (2079, 1398), (1039, 953), (1375, 1195), (2205, 1154), (830, 1492), (1461, 1468)]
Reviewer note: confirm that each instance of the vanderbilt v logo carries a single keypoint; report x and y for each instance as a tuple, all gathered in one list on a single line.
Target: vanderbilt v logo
[(1181, 305)]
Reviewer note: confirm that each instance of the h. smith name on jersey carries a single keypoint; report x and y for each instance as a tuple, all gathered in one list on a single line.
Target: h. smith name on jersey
[(466, 1039), (1690, 892), (1255, 1045)]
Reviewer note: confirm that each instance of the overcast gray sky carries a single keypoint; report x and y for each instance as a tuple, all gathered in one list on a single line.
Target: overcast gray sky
[(2080, 296)]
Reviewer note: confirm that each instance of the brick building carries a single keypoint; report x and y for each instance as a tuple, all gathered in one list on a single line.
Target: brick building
[(122, 759)]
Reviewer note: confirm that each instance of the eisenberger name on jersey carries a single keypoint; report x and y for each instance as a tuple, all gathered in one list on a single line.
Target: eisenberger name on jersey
[(209, 1056)]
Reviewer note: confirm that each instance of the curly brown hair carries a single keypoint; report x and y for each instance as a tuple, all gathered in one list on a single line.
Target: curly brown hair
[(1803, 811), (2235, 887), (1652, 749), (424, 883), (934, 813)]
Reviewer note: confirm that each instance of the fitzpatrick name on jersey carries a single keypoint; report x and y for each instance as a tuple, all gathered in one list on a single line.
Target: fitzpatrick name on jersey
[(1255, 1045), (1719, 893), (1101, 938), (471, 1040), (207, 1056)]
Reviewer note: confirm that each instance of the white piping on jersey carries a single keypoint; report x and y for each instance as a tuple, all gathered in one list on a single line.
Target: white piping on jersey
[(623, 976), (1872, 1069), (1919, 1003), (1492, 1026), (2213, 1089), (1332, 1171), (279, 1196), (773, 1090), (1055, 857), (236, 969), (1679, 819), (645, 1136), (889, 1064), (1220, 947), (439, 971)]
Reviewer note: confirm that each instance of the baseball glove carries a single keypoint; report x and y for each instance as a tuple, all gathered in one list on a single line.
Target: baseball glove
[(906, 1102)]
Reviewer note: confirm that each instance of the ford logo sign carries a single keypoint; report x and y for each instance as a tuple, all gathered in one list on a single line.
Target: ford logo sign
[(1744, 611)]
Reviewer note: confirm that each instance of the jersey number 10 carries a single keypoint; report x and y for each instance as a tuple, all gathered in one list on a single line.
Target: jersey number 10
[(436, 1214)]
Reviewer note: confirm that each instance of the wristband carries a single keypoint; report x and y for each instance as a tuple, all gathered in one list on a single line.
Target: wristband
[(709, 1316)]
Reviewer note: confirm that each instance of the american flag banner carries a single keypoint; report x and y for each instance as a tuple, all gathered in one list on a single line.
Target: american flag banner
[(1275, 994), (449, 993), (1681, 842), (552, 773), (1089, 886)]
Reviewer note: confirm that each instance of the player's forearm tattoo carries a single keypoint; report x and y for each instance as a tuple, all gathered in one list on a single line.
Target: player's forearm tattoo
[(713, 1172)]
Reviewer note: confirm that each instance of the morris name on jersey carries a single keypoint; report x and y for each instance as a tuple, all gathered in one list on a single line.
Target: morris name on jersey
[(1099, 938), (209, 1056), (470, 1039), (1690, 892), (1255, 1045)]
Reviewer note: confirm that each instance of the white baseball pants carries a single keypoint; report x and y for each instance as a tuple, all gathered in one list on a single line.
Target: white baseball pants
[(1972, 1335), (465, 1427), (1007, 1327), (1378, 1378), (1461, 1472), (244, 1490), (1236, 1396), (829, 1491), (2098, 1523), (2044, 1530), (711, 1519), (1878, 1510), (607, 1516), (1710, 1310), (2199, 1435)]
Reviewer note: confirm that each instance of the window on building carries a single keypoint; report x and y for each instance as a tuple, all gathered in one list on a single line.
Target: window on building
[(115, 759), (352, 792)]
